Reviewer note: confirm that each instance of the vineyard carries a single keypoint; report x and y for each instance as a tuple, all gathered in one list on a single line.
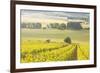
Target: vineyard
[(39, 45), (53, 51)]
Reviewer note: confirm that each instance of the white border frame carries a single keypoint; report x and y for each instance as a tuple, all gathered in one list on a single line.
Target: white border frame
[(53, 64)]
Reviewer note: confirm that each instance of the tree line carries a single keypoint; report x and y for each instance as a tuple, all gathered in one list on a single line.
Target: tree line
[(49, 26)]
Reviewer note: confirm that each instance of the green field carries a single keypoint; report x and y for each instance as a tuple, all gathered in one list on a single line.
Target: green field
[(35, 48)]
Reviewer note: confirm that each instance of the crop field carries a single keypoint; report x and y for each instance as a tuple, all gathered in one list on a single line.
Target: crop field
[(36, 48)]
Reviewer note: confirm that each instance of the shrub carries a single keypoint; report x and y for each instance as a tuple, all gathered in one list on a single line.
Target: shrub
[(44, 27), (48, 41), (67, 40)]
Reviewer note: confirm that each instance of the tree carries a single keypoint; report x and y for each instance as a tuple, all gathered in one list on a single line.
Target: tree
[(56, 25), (52, 25), (38, 25), (62, 26), (68, 40)]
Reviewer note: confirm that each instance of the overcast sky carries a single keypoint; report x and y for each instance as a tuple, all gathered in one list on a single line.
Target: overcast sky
[(54, 14)]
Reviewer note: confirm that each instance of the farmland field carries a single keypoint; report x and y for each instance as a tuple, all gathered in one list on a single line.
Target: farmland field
[(36, 48)]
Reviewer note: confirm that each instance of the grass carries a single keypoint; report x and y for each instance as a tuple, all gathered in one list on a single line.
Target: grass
[(34, 47), (55, 34)]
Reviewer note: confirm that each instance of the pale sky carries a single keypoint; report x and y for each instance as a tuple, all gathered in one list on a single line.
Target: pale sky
[(50, 16)]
